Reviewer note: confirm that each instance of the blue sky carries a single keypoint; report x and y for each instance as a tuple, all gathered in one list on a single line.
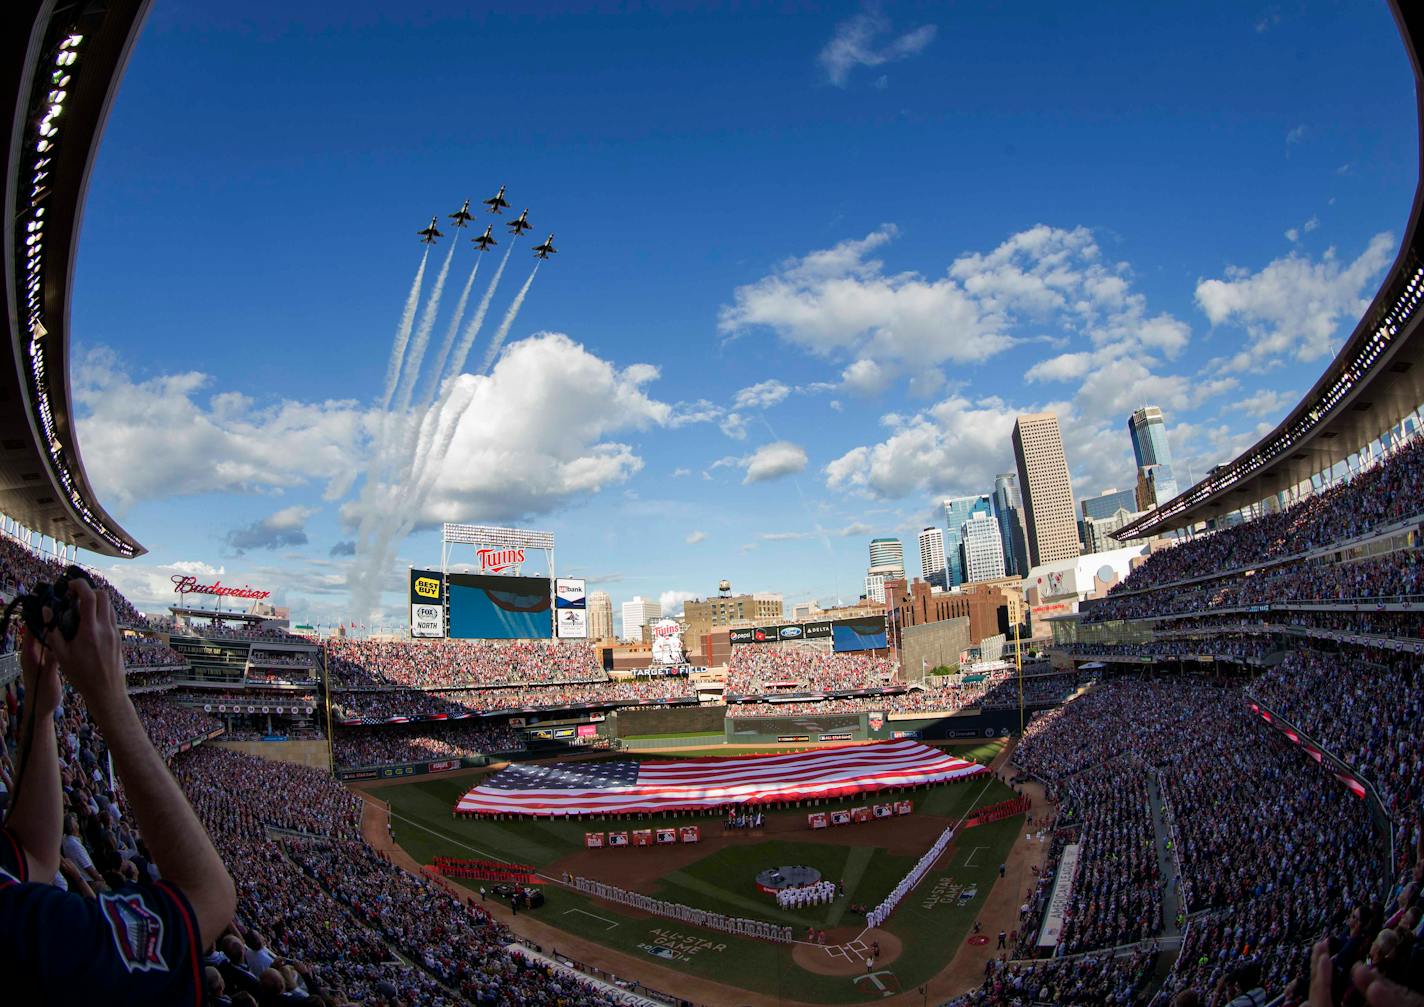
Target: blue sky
[(813, 258)]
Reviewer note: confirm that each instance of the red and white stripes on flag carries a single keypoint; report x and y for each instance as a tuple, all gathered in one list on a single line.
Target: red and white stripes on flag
[(700, 784)]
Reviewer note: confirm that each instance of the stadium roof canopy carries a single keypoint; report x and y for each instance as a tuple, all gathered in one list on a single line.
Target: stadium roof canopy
[(1374, 382), (62, 64)]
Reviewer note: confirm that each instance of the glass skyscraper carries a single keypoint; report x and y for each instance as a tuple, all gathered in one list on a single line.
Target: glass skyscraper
[(1155, 480), (958, 510)]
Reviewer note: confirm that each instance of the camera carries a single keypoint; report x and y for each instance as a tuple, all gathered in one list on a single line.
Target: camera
[(63, 606)]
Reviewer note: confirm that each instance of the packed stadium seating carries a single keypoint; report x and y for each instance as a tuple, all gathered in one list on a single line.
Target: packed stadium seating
[(451, 664), (418, 743), (756, 671)]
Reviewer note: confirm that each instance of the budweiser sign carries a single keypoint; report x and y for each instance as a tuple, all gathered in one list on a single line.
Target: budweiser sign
[(183, 584), (498, 560)]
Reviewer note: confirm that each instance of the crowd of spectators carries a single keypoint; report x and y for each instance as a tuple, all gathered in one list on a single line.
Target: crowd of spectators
[(379, 704), (1085, 981), (419, 743), (1395, 574), (224, 629), (763, 670), (170, 724), (1117, 896), (150, 652), (1365, 708), (1388, 492), (21, 568), (445, 664), (1273, 851)]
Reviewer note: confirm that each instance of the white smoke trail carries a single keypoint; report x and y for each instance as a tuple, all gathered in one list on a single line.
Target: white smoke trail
[(467, 338), (421, 456), (433, 379), (393, 369), (509, 316), (416, 354)]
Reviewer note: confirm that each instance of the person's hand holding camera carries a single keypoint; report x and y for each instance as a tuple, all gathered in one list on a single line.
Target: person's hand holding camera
[(93, 660)]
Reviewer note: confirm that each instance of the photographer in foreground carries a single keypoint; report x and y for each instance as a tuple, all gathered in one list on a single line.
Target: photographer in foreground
[(133, 944)]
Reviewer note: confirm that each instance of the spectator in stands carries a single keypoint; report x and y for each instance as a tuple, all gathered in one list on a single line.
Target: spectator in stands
[(143, 945)]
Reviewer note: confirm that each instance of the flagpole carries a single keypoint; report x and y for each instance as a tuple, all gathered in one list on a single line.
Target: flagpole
[(1018, 663)]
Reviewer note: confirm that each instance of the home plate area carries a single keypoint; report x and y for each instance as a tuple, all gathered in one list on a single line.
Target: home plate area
[(849, 954)]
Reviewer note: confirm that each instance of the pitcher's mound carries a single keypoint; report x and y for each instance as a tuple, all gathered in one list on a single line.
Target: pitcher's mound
[(846, 952)]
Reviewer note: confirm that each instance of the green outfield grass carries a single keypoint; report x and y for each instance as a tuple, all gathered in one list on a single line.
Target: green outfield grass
[(932, 923)]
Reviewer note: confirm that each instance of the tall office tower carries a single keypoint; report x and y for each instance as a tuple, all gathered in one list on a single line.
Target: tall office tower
[(932, 567), (1009, 513), (600, 616), (958, 510), (638, 613), (1047, 491), (983, 550), (887, 554), (1156, 484), (875, 586)]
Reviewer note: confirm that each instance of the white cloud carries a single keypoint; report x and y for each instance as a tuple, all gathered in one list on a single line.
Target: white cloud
[(680, 471), (841, 302), (171, 436), (1294, 306), (695, 537), (734, 425), (774, 460), (1294, 234), (956, 446), (866, 377), (672, 602), (540, 429), (1296, 135), (837, 300), (761, 396), (855, 42), (1064, 367)]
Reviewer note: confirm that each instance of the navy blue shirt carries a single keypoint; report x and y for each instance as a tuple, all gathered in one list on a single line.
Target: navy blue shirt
[(133, 946)]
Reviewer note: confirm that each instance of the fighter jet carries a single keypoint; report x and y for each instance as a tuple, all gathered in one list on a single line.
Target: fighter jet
[(497, 202), (484, 241), (430, 233), (546, 249), (462, 216), (520, 224)]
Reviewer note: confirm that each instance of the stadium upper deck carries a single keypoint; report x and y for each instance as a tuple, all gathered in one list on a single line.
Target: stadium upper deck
[(67, 58), (1367, 391)]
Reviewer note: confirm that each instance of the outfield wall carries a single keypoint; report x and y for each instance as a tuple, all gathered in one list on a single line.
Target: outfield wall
[(668, 720)]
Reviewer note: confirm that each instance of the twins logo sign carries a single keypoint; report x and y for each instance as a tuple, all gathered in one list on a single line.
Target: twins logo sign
[(876, 720)]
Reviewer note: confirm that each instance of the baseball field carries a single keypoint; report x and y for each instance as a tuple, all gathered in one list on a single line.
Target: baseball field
[(718, 874)]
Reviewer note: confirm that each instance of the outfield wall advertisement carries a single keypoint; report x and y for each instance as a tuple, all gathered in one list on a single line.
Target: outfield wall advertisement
[(571, 608), (427, 603), (499, 608)]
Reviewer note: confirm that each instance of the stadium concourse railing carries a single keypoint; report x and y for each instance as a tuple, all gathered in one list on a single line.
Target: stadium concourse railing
[(9, 668)]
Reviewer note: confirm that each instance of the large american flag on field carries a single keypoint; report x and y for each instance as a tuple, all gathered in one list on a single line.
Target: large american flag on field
[(627, 785)]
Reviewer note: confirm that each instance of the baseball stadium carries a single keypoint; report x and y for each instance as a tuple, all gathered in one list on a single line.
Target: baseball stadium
[(1167, 752)]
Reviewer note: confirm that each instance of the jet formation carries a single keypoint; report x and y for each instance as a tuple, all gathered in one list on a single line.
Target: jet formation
[(496, 204)]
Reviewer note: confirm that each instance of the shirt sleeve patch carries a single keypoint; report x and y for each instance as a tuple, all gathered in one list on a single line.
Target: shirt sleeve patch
[(137, 931)]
